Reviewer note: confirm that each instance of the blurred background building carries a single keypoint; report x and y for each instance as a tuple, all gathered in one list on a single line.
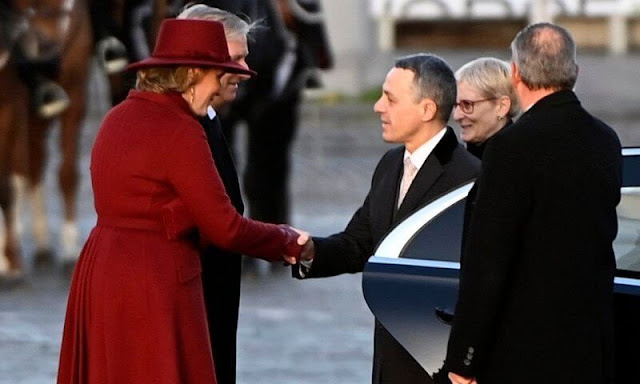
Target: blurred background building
[(361, 30)]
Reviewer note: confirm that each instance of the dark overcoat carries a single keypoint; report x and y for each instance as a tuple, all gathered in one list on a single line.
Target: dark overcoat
[(536, 287), (221, 269)]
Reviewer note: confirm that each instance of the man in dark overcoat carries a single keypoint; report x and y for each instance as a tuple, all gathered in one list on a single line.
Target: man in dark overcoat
[(418, 96), (221, 270), (536, 285)]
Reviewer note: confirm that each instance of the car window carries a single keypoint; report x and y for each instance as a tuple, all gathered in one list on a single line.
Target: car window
[(631, 168), (440, 239), (627, 244)]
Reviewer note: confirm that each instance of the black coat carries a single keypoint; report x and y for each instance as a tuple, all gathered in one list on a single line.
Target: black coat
[(476, 150), (539, 251), (448, 166), (221, 270)]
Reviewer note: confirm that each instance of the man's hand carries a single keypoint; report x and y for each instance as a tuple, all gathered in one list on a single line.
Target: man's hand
[(457, 379), (308, 252)]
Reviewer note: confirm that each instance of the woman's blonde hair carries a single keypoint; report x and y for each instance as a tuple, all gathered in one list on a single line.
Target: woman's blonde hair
[(492, 78), (165, 79)]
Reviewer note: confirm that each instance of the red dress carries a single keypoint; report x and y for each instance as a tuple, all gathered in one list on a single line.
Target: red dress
[(135, 312)]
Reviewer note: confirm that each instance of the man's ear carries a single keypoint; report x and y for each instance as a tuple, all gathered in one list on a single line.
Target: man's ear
[(429, 109), (515, 74)]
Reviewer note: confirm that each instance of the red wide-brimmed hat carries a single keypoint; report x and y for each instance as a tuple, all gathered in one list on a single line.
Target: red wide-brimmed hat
[(196, 43)]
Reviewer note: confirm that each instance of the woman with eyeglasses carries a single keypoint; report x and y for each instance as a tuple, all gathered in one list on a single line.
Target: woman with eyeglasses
[(486, 101)]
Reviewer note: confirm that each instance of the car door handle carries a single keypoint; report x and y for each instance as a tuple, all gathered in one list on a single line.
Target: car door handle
[(445, 316)]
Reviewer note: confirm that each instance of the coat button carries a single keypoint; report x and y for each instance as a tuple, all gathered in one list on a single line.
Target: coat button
[(471, 350), (467, 362), (469, 356)]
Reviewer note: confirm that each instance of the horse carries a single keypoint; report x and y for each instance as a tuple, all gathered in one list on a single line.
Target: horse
[(57, 30), (13, 129)]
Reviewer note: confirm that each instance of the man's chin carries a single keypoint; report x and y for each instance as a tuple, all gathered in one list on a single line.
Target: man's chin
[(230, 96)]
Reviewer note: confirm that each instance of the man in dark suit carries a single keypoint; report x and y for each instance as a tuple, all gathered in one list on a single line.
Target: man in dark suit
[(221, 270), (290, 45), (417, 98), (536, 285)]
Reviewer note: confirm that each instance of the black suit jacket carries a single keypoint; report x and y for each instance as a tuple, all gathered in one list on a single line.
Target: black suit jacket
[(448, 166), (221, 270), (536, 285)]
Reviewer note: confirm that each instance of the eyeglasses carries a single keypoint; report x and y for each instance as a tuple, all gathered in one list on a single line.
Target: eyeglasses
[(466, 106)]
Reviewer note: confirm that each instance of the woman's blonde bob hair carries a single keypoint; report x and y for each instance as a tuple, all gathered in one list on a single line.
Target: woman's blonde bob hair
[(492, 78), (165, 79)]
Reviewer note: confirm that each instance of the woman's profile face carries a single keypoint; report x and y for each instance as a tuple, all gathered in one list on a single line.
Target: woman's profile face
[(201, 94), (482, 121)]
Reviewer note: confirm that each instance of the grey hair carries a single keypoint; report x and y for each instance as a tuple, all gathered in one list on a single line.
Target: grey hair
[(491, 78), (545, 54), (433, 79), (234, 26)]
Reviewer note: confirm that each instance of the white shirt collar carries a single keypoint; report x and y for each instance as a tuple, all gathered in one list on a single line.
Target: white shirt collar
[(419, 156), (211, 113)]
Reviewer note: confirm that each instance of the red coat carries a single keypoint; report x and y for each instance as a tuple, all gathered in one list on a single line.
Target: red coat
[(135, 312)]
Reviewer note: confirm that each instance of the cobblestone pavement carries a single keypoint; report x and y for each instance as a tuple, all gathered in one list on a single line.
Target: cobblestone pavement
[(290, 331)]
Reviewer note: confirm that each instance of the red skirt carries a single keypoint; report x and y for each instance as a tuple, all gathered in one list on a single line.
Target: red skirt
[(136, 312)]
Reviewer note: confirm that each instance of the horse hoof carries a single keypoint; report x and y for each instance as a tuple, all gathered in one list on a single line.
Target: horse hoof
[(43, 258)]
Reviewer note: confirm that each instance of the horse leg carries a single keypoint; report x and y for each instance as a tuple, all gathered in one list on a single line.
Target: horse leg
[(70, 128), (12, 131), (74, 77), (10, 259), (37, 135), (9, 239)]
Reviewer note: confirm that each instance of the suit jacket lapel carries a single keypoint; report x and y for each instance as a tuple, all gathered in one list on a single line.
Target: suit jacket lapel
[(424, 180), (386, 196), (428, 174)]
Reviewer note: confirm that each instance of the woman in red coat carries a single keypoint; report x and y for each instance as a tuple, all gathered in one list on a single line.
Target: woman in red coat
[(135, 312)]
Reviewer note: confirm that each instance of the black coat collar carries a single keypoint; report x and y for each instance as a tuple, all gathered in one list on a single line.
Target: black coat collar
[(554, 99)]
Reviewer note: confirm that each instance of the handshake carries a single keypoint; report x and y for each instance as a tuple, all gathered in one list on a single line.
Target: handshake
[(303, 250), (178, 223)]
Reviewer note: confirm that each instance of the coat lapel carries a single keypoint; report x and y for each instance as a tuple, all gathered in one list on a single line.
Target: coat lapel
[(386, 196), (427, 176)]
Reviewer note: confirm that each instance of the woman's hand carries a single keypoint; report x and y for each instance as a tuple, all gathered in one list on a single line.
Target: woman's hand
[(303, 241)]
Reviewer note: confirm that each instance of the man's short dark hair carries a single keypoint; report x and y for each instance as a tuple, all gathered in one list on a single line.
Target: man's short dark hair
[(433, 79)]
